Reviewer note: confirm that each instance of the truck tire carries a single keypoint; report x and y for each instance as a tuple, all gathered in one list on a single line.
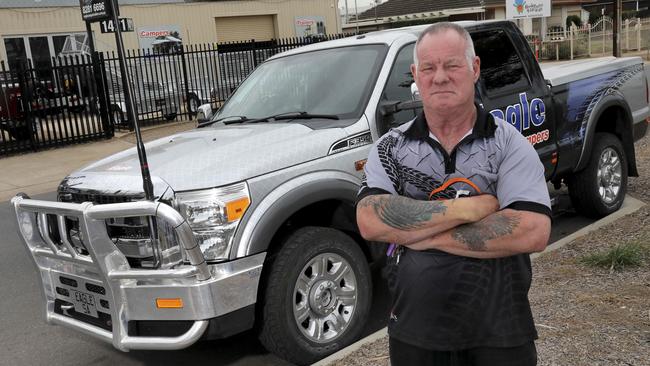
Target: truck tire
[(600, 188), (317, 296)]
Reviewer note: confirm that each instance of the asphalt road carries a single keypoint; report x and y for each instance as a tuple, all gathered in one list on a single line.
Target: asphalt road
[(25, 339)]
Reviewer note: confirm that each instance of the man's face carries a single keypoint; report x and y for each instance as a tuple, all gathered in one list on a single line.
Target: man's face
[(443, 76)]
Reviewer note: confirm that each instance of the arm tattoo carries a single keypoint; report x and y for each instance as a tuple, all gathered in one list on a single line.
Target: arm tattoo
[(403, 213), (494, 226)]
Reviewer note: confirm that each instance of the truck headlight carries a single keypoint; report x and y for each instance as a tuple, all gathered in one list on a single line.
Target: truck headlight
[(214, 215)]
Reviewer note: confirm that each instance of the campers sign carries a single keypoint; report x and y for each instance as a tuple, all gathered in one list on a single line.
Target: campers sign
[(94, 10)]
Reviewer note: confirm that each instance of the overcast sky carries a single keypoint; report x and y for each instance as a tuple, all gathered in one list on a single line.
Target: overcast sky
[(351, 3)]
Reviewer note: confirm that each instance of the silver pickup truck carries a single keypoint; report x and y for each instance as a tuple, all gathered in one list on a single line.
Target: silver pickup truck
[(253, 225)]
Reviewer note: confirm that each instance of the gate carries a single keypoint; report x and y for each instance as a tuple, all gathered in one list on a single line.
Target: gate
[(49, 106)]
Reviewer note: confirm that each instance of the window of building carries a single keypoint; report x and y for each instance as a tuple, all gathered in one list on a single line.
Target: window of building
[(40, 48)]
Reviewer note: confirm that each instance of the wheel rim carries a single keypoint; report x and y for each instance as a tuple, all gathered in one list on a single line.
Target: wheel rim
[(609, 176), (325, 297)]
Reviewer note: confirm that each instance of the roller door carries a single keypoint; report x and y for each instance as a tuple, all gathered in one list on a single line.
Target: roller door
[(244, 28)]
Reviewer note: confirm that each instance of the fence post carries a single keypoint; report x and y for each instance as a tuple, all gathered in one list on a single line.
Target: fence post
[(571, 42), (101, 83), (589, 38), (627, 34), (638, 34), (186, 90), (27, 86), (253, 53), (557, 51), (604, 34)]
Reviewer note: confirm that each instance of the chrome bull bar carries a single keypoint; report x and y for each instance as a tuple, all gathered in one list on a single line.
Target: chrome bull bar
[(40, 221)]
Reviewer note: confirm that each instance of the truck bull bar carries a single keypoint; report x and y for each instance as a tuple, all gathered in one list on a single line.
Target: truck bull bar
[(131, 293)]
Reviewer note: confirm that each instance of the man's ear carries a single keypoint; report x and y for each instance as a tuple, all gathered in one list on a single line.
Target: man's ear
[(477, 68), (413, 70)]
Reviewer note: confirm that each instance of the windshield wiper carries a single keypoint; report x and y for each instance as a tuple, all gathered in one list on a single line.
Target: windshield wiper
[(293, 115), (235, 119)]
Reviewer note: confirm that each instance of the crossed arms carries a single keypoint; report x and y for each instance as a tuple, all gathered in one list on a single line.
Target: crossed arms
[(469, 226)]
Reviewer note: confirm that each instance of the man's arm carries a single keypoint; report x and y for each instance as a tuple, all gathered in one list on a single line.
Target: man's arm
[(402, 220), (501, 234)]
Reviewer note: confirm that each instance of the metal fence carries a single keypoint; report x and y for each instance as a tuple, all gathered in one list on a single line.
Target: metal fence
[(591, 40), (50, 106), (167, 86), (81, 98)]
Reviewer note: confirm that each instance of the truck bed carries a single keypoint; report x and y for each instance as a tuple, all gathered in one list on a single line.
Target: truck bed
[(563, 72)]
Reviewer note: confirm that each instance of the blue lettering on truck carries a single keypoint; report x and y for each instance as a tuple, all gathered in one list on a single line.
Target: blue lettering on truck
[(523, 114)]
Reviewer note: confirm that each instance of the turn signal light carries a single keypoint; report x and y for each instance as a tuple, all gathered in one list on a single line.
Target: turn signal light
[(169, 303), (235, 209)]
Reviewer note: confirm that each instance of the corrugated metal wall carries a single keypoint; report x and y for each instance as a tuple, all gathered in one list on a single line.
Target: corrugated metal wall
[(196, 20)]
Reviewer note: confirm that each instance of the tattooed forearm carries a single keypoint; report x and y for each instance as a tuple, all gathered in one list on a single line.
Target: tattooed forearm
[(401, 212), (495, 226)]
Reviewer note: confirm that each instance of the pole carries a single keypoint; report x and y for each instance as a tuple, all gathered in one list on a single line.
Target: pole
[(616, 39), (100, 85), (347, 19), (356, 15), (144, 166), (147, 183)]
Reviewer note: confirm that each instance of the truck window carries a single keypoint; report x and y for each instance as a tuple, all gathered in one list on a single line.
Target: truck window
[(398, 86), (501, 68)]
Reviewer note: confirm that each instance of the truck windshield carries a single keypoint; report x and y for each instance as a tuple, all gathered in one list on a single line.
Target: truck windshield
[(336, 82)]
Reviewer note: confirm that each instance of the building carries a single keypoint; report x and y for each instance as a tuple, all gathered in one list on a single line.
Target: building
[(41, 29), (396, 13)]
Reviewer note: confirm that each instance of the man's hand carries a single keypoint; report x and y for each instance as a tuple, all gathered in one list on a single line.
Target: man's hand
[(402, 220), (481, 206)]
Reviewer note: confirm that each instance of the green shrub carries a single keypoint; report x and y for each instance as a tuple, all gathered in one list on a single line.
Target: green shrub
[(621, 256)]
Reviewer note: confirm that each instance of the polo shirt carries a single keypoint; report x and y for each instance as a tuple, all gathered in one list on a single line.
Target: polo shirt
[(442, 301)]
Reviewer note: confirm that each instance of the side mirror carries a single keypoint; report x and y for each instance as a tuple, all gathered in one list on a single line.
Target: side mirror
[(415, 93), (204, 113)]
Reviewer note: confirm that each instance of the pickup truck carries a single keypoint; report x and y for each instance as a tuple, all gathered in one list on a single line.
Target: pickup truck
[(253, 225)]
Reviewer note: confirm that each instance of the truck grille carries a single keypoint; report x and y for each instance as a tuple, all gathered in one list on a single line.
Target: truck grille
[(130, 234)]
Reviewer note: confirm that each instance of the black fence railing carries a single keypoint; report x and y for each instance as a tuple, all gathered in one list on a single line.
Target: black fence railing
[(50, 106), (81, 98)]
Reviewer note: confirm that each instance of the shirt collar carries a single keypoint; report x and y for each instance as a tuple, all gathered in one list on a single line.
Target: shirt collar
[(484, 126)]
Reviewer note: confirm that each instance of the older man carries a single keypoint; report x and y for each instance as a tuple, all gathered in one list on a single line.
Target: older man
[(464, 198)]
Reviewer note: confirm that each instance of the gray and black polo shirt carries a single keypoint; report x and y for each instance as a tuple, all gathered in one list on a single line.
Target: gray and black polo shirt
[(442, 301)]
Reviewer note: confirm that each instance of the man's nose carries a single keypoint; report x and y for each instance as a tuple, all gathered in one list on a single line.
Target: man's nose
[(440, 76)]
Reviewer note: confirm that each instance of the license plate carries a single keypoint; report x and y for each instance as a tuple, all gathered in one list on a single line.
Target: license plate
[(84, 303)]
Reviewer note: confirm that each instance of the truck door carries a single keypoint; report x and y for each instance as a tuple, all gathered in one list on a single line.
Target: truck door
[(512, 88)]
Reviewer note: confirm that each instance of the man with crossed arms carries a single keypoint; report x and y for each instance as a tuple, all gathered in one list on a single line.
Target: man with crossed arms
[(465, 198)]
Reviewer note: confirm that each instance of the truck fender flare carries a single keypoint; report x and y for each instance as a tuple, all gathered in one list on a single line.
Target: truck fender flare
[(625, 131), (286, 200)]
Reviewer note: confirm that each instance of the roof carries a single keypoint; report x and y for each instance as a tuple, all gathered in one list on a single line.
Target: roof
[(67, 3), (401, 7)]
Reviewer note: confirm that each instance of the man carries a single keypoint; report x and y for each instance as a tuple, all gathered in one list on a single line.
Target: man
[(464, 197)]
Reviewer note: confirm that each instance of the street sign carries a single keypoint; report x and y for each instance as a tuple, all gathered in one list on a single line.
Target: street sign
[(94, 10), (107, 26)]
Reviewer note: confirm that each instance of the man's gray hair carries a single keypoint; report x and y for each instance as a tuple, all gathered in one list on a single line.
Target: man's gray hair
[(443, 27)]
